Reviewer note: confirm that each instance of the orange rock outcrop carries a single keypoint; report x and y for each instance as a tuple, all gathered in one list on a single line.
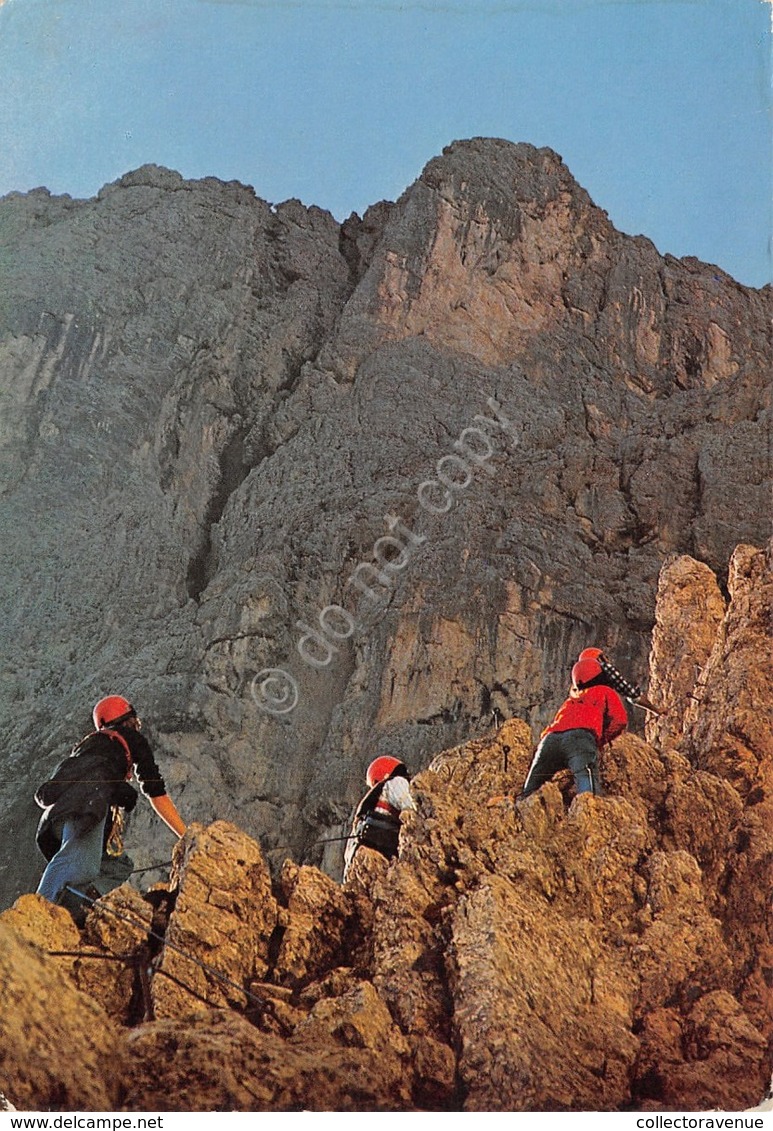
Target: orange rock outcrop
[(563, 953)]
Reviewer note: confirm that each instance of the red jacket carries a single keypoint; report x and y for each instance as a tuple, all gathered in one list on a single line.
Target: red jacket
[(598, 708)]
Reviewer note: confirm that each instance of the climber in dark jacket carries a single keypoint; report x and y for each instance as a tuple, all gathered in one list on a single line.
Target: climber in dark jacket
[(86, 787), (376, 822), (587, 721)]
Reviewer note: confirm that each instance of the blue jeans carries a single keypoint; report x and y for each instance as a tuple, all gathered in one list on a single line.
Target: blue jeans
[(575, 750), (78, 860)]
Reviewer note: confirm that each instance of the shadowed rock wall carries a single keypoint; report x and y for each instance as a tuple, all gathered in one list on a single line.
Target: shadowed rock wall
[(457, 437), (563, 953)]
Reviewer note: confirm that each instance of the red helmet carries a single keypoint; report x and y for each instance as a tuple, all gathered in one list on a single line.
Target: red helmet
[(585, 671), (111, 710), (382, 768), (590, 654)]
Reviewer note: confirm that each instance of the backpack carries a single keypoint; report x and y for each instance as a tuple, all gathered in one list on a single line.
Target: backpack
[(372, 829)]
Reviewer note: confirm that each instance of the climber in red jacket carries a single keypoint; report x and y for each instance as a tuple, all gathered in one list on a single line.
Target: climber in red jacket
[(630, 691), (586, 722)]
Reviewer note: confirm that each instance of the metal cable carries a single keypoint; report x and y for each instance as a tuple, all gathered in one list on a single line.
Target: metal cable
[(160, 938)]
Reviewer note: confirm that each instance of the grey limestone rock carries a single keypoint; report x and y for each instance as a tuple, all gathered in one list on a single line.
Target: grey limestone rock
[(440, 448)]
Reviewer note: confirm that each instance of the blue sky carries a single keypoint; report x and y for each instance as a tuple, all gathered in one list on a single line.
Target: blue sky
[(660, 108)]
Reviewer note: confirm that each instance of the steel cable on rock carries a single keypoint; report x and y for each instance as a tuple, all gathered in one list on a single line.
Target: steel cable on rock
[(151, 934), (132, 960), (151, 868)]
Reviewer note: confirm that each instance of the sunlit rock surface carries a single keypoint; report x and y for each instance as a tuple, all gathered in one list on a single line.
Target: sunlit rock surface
[(213, 410), (560, 953)]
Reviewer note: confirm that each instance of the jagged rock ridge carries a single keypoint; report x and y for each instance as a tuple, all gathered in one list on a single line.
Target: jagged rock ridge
[(587, 954), (210, 406)]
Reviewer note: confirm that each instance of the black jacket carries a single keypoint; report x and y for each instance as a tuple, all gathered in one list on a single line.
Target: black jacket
[(92, 779)]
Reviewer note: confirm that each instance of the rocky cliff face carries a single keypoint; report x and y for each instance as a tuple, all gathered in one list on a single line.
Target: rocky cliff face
[(416, 461), (559, 954)]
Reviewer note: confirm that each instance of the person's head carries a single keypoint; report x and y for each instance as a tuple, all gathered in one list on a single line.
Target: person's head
[(591, 654), (585, 673), (113, 711), (385, 767)]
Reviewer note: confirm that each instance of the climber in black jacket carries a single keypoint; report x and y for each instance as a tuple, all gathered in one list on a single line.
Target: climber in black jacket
[(89, 784)]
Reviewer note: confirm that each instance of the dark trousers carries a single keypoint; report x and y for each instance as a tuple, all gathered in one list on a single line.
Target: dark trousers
[(575, 750)]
